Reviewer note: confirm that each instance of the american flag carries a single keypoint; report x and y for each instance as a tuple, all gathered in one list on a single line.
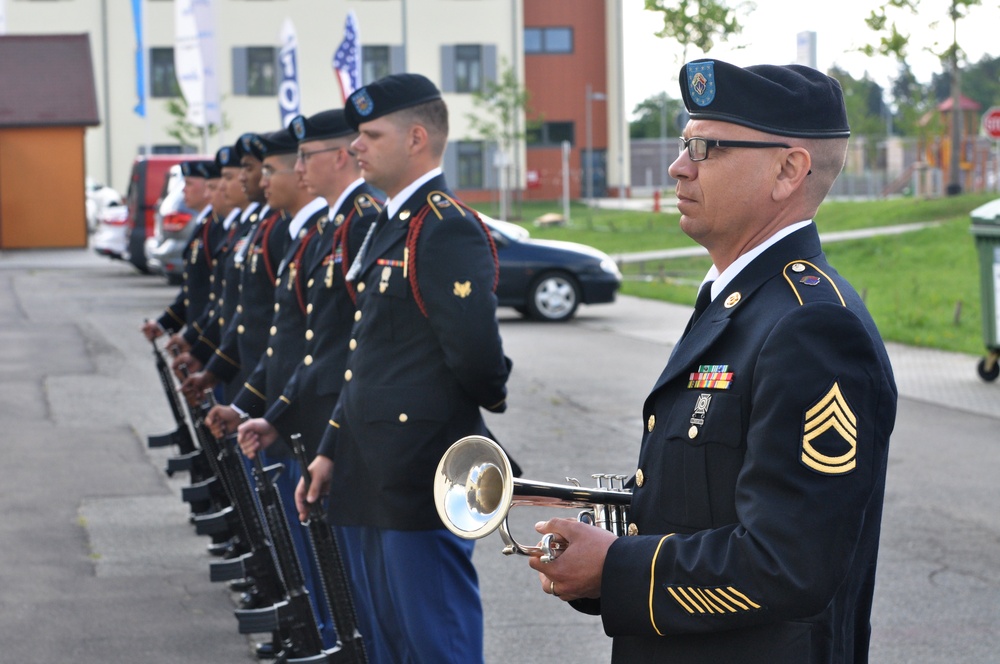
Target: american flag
[(347, 59)]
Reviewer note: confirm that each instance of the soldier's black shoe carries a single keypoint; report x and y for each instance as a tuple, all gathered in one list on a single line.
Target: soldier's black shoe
[(240, 585)]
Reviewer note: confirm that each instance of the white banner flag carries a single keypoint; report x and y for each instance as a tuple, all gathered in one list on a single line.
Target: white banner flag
[(195, 61), (289, 98)]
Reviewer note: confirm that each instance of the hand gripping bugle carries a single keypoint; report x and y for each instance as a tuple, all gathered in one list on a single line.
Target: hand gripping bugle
[(337, 589), (474, 489)]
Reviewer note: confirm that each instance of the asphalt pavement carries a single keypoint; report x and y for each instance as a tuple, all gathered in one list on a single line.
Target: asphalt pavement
[(98, 563)]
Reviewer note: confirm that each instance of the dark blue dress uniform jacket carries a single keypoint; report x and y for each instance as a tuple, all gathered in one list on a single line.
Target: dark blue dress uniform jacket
[(245, 338), (758, 497), (286, 330), (308, 398), (414, 383), (192, 298)]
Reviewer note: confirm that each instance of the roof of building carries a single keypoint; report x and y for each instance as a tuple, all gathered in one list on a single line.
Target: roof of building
[(47, 80)]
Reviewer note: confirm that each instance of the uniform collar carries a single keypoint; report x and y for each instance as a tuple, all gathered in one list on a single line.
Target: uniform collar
[(720, 281), (344, 195), (249, 210), (228, 221), (303, 215), (393, 204)]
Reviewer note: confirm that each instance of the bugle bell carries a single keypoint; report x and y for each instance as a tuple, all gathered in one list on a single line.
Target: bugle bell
[(474, 489)]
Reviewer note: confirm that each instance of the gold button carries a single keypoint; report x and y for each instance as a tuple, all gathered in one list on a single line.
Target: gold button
[(357, 315), (215, 261), (310, 283), (211, 278), (403, 417), (239, 308), (404, 215), (276, 306), (798, 267), (185, 289), (639, 478), (185, 274), (308, 359), (651, 423), (222, 301), (211, 296), (361, 287), (309, 308), (353, 344), (222, 321), (348, 374), (187, 302), (274, 330), (277, 282), (633, 530), (732, 300), (693, 432), (240, 329), (309, 335), (270, 352)]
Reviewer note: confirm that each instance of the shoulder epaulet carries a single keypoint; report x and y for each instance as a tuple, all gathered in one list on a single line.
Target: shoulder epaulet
[(365, 202), (439, 200), (811, 284)]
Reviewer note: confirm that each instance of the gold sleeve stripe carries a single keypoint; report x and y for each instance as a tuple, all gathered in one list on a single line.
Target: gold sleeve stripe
[(680, 600), (177, 318), (334, 424), (720, 605), (285, 399), (227, 358), (652, 583), (208, 342), (732, 600), (753, 605), (705, 600), (255, 391), (693, 601), (196, 327)]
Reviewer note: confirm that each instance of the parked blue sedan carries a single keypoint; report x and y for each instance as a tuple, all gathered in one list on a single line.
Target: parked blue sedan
[(547, 279)]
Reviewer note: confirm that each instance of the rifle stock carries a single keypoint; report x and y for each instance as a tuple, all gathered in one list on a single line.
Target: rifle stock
[(333, 575)]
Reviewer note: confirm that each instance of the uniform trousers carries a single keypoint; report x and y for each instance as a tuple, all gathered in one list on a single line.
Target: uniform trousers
[(416, 594)]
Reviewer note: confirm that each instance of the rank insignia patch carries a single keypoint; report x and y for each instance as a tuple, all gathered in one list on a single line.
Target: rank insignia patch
[(463, 289), (711, 377), (830, 435)]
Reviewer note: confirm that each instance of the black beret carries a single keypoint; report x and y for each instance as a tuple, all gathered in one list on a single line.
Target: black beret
[(325, 124), (200, 168), (227, 157), (245, 146), (388, 95), (276, 142), (791, 100)]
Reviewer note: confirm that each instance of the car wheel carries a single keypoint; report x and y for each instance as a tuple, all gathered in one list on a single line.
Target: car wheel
[(553, 297)]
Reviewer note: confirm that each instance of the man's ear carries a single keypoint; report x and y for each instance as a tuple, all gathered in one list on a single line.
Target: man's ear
[(417, 138), (793, 171)]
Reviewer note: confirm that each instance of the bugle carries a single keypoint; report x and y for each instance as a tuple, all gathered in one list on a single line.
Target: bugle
[(474, 489)]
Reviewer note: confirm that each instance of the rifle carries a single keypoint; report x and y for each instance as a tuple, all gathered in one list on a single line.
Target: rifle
[(181, 436), (293, 616), (333, 576)]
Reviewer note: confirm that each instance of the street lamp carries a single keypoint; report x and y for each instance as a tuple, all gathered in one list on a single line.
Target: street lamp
[(589, 165)]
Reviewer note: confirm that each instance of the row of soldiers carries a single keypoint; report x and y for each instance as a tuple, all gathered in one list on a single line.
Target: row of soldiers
[(338, 317)]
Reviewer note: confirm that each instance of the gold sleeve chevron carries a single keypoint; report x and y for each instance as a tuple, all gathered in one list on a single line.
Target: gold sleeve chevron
[(708, 601), (830, 414)]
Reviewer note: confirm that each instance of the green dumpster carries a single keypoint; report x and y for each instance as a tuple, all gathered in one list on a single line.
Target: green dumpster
[(986, 230)]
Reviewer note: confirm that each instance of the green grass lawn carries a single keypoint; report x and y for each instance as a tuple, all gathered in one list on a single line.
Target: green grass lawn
[(923, 287)]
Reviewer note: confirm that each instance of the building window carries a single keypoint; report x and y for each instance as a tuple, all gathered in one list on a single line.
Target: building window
[(162, 75), (375, 63), (470, 164), (255, 71), (468, 68), (548, 40), (550, 134)]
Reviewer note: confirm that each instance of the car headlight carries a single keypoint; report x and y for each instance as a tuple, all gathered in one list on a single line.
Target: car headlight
[(609, 266)]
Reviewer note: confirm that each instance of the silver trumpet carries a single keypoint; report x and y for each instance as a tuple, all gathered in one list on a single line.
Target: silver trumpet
[(474, 489)]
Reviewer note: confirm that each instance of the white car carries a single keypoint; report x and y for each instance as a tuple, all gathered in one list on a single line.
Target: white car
[(111, 237), (99, 197)]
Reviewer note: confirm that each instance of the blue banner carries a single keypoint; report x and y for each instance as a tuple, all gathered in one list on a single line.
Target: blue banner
[(289, 97), (140, 59)]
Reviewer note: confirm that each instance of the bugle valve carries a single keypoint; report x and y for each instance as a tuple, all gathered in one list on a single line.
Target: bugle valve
[(475, 488)]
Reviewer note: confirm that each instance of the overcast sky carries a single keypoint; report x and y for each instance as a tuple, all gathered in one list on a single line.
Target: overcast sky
[(769, 37)]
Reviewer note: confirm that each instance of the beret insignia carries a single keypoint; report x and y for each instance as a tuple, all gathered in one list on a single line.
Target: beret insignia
[(701, 82), (363, 103), (299, 127)]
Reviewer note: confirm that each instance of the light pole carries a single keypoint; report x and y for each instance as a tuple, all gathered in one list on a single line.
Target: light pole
[(589, 164)]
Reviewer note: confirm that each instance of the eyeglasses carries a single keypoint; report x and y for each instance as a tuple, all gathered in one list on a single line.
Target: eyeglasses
[(304, 155), (268, 171), (697, 147)]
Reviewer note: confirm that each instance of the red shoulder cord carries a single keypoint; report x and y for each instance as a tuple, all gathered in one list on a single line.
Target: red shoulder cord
[(413, 233), (204, 238), (340, 240), (297, 261), (265, 229)]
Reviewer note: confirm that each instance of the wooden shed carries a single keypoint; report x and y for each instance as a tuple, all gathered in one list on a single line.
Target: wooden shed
[(47, 100)]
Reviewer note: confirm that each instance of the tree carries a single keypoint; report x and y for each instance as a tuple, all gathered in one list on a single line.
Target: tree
[(698, 23), (652, 114), (894, 43), (186, 133), (866, 112), (500, 104)]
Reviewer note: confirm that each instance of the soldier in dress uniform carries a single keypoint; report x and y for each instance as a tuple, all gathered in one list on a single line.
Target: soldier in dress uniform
[(193, 295), (757, 502), (229, 203), (246, 288), (424, 356)]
